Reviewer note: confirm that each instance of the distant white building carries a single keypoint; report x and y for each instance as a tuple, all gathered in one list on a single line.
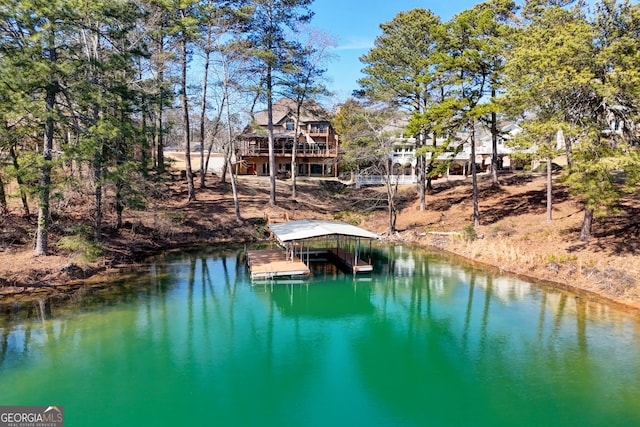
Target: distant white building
[(457, 154)]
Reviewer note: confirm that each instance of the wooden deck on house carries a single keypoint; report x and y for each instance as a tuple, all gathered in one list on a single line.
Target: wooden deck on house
[(269, 264)]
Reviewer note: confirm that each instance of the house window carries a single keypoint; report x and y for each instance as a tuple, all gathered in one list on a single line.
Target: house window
[(289, 124), (321, 128)]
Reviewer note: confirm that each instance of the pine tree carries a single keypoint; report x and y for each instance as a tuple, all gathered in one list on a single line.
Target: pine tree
[(548, 59), (571, 74), (399, 71), (34, 47), (468, 58), (303, 82), (271, 49)]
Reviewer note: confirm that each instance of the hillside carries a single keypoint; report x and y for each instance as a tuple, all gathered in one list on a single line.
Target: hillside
[(514, 235)]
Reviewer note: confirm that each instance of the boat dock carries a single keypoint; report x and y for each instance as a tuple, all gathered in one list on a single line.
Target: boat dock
[(351, 261), (272, 263), (311, 238)]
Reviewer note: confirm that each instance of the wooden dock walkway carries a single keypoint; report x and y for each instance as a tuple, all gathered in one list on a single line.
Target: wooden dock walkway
[(269, 264), (349, 260)]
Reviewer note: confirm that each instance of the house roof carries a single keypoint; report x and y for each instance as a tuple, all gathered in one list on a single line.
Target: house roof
[(286, 107), (308, 229)]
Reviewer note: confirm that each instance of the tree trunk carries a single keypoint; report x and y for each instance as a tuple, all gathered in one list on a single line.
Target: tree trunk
[(587, 225), (42, 234), (97, 184), (119, 196), (294, 156), (234, 190), (392, 190), (474, 177), (294, 167), (159, 132), (16, 167), (494, 144), (227, 153), (430, 165), (159, 138), (420, 171), (210, 150), (145, 141), (185, 125), (3, 198), (294, 152), (203, 111), (391, 208), (568, 151), (230, 150), (271, 142), (549, 189)]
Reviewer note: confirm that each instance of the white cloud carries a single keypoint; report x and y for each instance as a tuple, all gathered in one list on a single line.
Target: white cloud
[(356, 43)]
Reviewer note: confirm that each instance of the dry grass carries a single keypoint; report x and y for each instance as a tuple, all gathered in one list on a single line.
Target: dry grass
[(513, 236)]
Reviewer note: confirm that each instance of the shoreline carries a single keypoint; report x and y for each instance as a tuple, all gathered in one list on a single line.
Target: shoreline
[(578, 291), (513, 237), (61, 287)]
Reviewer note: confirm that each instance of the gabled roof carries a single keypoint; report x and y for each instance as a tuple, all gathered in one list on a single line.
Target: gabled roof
[(286, 107), (308, 229)]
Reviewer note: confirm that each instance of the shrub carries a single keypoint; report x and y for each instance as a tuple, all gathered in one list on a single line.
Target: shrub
[(348, 217), (176, 217), (80, 241), (469, 233)]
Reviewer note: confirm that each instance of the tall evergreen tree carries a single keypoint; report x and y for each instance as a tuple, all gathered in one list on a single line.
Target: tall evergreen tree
[(548, 60), (271, 47), (467, 61), (605, 163), (399, 70), (35, 46), (186, 31), (303, 82), (578, 76)]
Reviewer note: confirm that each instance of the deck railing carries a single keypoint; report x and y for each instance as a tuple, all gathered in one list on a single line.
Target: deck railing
[(319, 149), (362, 180)]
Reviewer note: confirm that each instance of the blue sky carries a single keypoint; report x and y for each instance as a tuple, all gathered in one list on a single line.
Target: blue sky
[(356, 25)]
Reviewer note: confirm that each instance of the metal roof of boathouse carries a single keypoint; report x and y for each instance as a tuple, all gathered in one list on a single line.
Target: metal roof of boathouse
[(308, 229)]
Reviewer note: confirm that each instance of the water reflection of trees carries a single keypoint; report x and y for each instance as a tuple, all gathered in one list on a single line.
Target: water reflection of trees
[(484, 326), (47, 318), (457, 326)]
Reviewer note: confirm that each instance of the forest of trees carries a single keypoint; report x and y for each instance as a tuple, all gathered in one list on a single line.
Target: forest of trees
[(553, 66), (89, 91)]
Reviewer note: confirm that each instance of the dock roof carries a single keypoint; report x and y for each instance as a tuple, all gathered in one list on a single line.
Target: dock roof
[(308, 229)]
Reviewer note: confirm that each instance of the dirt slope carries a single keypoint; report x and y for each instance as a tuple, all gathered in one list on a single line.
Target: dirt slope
[(514, 235)]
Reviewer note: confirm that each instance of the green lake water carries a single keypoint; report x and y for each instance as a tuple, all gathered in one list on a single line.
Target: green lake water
[(420, 342)]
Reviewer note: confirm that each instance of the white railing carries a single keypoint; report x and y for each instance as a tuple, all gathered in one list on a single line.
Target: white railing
[(362, 180)]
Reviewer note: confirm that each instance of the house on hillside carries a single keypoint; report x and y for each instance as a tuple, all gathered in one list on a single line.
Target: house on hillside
[(313, 138), (457, 154)]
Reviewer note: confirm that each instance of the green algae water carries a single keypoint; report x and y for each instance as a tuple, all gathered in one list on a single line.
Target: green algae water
[(420, 342)]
